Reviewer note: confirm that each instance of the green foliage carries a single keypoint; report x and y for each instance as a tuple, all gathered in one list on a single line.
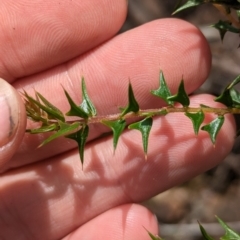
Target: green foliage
[(181, 96), (229, 8), (197, 119), (52, 119), (230, 234), (153, 237), (144, 127), (81, 138), (132, 103), (86, 109), (214, 127), (117, 127), (64, 129), (230, 96), (225, 26), (163, 91)]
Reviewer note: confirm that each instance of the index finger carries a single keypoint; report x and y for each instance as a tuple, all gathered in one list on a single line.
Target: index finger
[(37, 35)]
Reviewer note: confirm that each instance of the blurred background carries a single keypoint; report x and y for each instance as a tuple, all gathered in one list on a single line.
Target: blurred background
[(216, 192)]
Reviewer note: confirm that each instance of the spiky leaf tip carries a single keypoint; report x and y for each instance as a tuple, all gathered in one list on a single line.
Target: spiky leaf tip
[(230, 234), (144, 126), (181, 96), (117, 127), (75, 110), (197, 119), (81, 138), (87, 104), (163, 91), (188, 4), (205, 235), (133, 105), (214, 127)]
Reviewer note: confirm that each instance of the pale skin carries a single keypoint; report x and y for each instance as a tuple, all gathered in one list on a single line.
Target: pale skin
[(44, 193)]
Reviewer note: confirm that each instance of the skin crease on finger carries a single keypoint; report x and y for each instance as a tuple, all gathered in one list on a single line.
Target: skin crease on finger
[(179, 49), (37, 35), (54, 197)]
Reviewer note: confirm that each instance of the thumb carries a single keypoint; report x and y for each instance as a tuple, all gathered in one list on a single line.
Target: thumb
[(12, 121)]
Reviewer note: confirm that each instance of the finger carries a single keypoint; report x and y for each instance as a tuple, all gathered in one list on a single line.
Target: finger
[(12, 121), (174, 46), (57, 192), (130, 221), (41, 34)]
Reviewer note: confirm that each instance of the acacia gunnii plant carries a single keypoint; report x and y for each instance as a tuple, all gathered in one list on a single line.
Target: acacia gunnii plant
[(39, 109), (53, 120)]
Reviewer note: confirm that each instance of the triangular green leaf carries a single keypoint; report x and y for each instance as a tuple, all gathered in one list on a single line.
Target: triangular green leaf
[(81, 138), (52, 111), (154, 237), (43, 129), (197, 120), (234, 82), (74, 109), (189, 4), (132, 103), (230, 233), (55, 112), (144, 126), (225, 98), (230, 97), (86, 109), (64, 130), (225, 26), (235, 95), (87, 104), (204, 233), (214, 127), (163, 91), (117, 127), (181, 96)]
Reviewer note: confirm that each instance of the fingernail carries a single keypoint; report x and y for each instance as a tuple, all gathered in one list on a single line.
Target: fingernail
[(9, 111)]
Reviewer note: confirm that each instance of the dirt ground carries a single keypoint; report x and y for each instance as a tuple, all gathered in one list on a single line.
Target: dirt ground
[(216, 192)]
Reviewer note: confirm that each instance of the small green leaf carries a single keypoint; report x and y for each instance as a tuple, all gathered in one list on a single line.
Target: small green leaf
[(86, 109), (117, 127), (132, 103), (225, 98), (81, 138), (74, 109), (189, 4), (234, 82), (87, 104), (235, 95), (230, 97), (197, 120), (52, 111), (214, 127), (144, 126), (225, 26), (181, 96), (204, 233), (163, 91), (55, 111), (65, 129), (153, 237), (43, 129), (230, 233)]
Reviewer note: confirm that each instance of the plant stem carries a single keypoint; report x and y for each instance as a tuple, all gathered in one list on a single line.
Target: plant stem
[(159, 112)]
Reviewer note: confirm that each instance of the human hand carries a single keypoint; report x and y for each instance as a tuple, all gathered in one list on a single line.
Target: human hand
[(44, 194)]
